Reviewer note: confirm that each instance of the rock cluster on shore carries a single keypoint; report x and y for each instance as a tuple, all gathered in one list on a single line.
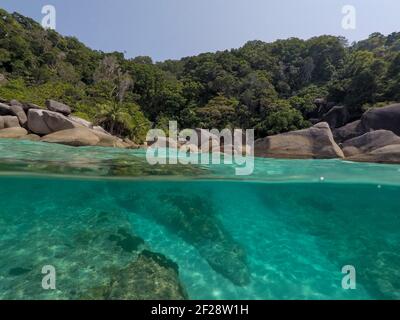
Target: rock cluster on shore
[(54, 125), (372, 138)]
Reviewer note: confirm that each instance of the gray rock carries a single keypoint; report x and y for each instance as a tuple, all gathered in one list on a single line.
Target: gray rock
[(387, 154), (100, 129), (13, 133), (28, 106), (369, 142), (10, 122), (36, 122), (5, 109), (349, 131), (58, 107), (386, 118), (57, 122), (14, 102), (44, 122), (81, 121), (19, 112), (336, 117), (315, 142)]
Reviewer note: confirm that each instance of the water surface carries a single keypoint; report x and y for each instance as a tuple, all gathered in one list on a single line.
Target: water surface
[(284, 232)]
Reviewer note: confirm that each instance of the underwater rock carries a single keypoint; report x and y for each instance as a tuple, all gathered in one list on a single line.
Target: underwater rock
[(126, 240), (152, 276), (193, 219), (149, 277)]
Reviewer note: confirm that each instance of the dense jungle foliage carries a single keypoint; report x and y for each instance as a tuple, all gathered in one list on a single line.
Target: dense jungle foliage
[(267, 86)]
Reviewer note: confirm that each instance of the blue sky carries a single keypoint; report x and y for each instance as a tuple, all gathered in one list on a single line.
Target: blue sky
[(168, 29)]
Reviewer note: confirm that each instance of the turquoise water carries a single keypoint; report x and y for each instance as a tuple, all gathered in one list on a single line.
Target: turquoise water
[(282, 233)]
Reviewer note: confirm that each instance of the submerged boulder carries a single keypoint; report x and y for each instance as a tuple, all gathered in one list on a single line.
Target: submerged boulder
[(152, 276), (193, 218), (370, 141), (58, 107), (316, 142), (387, 118), (13, 133)]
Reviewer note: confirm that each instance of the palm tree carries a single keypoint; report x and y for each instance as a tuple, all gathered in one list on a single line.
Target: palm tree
[(115, 118)]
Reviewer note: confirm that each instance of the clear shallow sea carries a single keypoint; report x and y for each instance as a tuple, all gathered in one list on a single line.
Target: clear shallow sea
[(282, 233)]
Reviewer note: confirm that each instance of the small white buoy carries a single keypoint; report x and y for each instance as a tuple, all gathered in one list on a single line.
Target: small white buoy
[(322, 178), (379, 186)]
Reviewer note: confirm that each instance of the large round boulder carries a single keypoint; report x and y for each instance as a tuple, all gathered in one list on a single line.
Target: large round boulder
[(386, 118), (43, 122), (316, 142), (349, 131), (58, 107), (370, 141)]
